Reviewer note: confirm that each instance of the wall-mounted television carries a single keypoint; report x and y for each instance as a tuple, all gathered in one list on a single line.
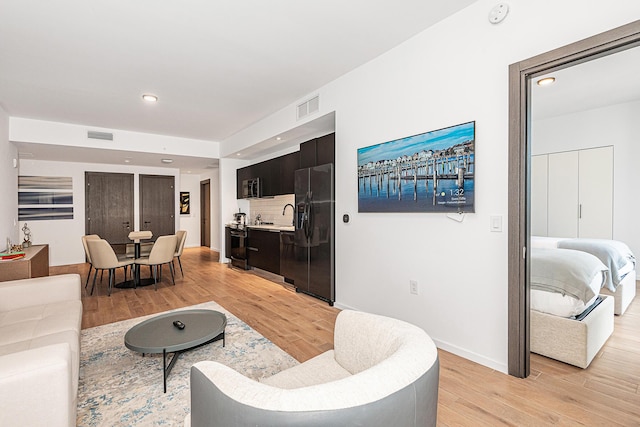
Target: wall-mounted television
[(429, 172)]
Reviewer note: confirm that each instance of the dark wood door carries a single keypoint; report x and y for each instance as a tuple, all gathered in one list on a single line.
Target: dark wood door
[(205, 213), (109, 206), (157, 204)]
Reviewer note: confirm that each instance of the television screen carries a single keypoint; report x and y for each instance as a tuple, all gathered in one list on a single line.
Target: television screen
[(429, 172)]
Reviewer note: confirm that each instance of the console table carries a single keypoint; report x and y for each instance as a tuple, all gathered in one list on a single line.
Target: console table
[(35, 263)]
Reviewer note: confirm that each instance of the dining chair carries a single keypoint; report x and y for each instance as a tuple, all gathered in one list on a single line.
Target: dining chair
[(88, 254), (103, 258), (161, 253), (182, 237)]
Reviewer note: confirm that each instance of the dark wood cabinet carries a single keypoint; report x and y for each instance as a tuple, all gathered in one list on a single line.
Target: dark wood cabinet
[(318, 151), (241, 175), (308, 154), (326, 149), (263, 250), (227, 242), (276, 175), (288, 165), (287, 257)]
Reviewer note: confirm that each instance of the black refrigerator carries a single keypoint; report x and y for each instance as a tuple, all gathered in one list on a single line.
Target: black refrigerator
[(313, 270)]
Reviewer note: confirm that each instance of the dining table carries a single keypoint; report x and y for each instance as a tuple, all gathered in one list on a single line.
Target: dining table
[(137, 237)]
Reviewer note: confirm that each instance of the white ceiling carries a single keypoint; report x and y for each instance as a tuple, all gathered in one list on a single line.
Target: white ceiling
[(216, 66), (609, 80)]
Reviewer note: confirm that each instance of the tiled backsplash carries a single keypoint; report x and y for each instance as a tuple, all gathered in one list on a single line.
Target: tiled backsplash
[(270, 209)]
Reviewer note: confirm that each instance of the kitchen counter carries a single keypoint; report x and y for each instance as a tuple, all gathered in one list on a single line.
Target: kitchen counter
[(271, 227)]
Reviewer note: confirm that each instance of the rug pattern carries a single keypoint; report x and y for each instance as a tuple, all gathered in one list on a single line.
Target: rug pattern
[(119, 387)]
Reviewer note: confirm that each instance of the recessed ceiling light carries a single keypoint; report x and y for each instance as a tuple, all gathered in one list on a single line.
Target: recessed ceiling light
[(127, 160), (167, 160), (546, 81), (238, 154), (149, 97), (278, 138)]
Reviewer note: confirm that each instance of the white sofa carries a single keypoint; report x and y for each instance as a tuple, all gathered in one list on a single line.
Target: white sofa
[(382, 372), (40, 322)]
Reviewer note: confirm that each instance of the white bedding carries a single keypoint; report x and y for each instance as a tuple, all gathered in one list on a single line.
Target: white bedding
[(564, 305), (561, 305)]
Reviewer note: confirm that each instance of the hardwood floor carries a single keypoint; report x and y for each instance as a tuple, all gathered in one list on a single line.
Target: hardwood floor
[(605, 394)]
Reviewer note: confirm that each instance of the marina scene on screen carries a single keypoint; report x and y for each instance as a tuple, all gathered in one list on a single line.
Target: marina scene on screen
[(428, 172)]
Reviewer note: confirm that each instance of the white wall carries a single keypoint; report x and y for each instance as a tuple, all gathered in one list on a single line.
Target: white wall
[(191, 222), (454, 72), (70, 135), (613, 125), (8, 186), (63, 236), (214, 200)]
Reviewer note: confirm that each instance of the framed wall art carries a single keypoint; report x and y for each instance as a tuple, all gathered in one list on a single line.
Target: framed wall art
[(429, 172), (185, 203)]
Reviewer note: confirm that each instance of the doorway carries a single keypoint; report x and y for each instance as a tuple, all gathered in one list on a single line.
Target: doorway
[(157, 204), (205, 213), (109, 206), (520, 76)]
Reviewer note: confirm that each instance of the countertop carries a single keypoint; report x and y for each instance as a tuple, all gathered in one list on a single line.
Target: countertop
[(271, 227)]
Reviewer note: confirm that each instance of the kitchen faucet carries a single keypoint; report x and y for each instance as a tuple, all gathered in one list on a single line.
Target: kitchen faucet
[(293, 221)]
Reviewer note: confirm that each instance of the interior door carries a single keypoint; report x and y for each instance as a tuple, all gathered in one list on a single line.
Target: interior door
[(539, 188), (109, 206), (563, 194), (157, 204), (205, 214), (596, 193)]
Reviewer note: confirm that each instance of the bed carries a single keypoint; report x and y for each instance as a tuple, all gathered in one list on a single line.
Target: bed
[(570, 321), (621, 282)]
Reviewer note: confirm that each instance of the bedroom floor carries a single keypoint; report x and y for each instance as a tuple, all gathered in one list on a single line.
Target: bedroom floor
[(606, 393)]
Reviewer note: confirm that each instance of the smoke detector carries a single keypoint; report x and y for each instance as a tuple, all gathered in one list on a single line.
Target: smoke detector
[(498, 13)]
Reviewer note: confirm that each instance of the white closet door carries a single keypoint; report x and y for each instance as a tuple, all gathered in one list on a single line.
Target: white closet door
[(596, 193), (539, 181), (563, 194)]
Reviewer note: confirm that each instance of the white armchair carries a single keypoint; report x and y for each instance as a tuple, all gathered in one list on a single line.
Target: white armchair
[(381, 372)]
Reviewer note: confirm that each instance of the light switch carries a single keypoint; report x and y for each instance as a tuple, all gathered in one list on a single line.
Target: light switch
[(496, 223)]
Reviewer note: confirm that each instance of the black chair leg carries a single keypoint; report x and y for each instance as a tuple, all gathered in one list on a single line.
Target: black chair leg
[(95, 276), (86, 283), (155, 276), (112, 272), (180, 263), (173, 278)]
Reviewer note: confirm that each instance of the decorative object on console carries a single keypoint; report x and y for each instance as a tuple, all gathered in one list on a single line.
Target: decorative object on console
[(27, 236), (429, 172)]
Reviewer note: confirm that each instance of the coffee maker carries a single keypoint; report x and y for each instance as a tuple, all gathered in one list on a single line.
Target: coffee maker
[(239, 219)]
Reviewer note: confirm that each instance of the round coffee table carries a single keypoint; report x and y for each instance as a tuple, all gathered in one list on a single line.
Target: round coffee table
[(159, 335)]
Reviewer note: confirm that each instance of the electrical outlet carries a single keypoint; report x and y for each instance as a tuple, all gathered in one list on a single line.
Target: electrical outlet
[(413, 287)]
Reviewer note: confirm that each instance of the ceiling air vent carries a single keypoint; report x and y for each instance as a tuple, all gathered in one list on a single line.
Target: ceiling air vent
[(310, 106), (107, 136)]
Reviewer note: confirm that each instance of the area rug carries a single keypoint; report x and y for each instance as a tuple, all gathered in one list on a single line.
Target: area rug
[(119, 387)]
